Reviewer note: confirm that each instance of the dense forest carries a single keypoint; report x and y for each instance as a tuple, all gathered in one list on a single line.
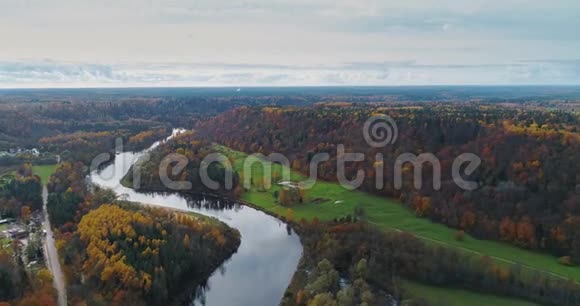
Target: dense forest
[(20, 192), (527, 187), (376, 263), (188, 179), (20, 196), (24, 124), (528, 183), (19, 288), (121, 253), (27, 116), (78, 128)]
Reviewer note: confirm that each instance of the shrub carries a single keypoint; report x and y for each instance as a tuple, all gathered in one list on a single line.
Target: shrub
[(565, 261), (460, 235)]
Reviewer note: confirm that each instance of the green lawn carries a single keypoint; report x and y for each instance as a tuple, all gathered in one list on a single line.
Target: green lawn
[(4, 242), (459, 297), (44, 172), (7, 170), (388, 214)]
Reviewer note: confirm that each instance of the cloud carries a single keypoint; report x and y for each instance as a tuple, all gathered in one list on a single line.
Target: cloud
[(22, 72), (287, 42), (49, 73)]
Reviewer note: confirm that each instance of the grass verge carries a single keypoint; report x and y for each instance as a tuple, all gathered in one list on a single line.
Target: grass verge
[(458, 297), (4, 242), (44, 172)]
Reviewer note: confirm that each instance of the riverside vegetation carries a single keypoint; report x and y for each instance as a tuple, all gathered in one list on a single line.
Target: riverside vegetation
[(515, 237)]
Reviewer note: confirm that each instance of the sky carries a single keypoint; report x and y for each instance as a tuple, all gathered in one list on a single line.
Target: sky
[(130, 43)]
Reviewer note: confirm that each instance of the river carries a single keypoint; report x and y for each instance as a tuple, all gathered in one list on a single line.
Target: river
[(260, 271)]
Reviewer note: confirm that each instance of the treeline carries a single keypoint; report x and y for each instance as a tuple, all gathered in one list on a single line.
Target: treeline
[(529, 179), (353, 249), (20, 195), (120, 253), (20, 192), (323, 286), (23, 124), (78, 131), (17, 159), (144, 139), (141, 256), (66, 191), (85, 146), (19, 287), (185, 149)]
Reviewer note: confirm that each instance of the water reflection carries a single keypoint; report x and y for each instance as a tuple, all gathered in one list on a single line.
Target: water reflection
[(257, 274)]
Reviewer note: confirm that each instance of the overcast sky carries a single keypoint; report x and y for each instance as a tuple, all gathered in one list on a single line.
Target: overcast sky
[(80, 43)]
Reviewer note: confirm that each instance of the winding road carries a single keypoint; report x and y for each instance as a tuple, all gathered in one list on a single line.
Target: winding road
[(51, 255)]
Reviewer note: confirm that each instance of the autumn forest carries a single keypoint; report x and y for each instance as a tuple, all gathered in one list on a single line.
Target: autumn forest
[(122, 239)]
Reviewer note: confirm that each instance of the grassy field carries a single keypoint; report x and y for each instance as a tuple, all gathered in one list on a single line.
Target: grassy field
[(460, 297), (7, 170), (44, 172), (4, 242), (327, 201)]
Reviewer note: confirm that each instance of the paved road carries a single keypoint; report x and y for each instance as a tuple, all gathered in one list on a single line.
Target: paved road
[(52, 255)]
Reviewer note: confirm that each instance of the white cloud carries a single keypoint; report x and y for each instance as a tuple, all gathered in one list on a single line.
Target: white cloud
[(478, 41), (54, 74)]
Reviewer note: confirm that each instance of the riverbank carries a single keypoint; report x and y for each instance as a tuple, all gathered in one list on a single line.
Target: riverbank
[(266, 243), (389, 215), (282, 213), (163, 255), (327, 201), (167, 261), (189, 288)]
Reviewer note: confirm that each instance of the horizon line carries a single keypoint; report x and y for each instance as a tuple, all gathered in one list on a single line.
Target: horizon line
[(288, 86)]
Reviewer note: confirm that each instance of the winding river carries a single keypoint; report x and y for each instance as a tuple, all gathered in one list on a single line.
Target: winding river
[(262, 268)]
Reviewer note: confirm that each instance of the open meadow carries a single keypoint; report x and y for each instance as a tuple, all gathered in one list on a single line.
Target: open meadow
[(329, 200)]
